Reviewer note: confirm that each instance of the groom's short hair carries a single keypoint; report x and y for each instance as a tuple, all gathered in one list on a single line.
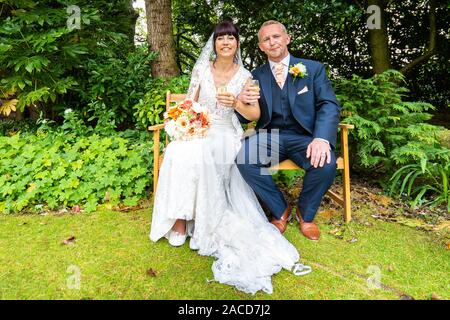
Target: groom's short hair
[(268, 23)]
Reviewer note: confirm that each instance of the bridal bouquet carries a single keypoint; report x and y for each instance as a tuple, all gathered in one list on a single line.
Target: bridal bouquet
[(186, 121)]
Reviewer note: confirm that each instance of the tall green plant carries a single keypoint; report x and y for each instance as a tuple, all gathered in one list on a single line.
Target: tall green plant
[(427, 178), (388, 131)]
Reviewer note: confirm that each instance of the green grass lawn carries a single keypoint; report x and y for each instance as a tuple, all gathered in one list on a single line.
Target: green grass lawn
[(112, 254)]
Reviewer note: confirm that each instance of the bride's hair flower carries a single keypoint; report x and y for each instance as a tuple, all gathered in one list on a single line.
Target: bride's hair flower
[(298, 70), (187, 120)]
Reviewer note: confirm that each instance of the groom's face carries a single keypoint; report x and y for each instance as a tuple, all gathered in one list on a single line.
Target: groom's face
[(273, 40)]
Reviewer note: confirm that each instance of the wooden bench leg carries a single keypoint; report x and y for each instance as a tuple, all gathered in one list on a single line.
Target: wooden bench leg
[(347, 199), (155, 159), (346, 177)]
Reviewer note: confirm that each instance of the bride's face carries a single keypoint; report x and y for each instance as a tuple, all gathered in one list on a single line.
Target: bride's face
[(226, 46)]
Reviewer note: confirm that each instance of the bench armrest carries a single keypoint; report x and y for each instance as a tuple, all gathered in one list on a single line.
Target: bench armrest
[(346, 126), (156, 127)]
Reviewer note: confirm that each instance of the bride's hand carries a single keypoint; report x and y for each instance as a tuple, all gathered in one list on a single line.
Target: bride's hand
[(226, 99), (249, 96)]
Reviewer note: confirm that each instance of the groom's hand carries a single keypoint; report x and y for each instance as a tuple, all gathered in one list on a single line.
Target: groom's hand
[(319, 151)]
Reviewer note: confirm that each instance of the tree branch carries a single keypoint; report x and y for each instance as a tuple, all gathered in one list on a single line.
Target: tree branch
[(431, 50), (360, 5), (189, 40), (187, 54)]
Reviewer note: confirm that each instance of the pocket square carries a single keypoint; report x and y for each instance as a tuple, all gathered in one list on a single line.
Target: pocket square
[(304, 90)]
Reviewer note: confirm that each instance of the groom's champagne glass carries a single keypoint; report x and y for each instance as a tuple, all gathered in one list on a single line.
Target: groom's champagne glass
[(254, 85)]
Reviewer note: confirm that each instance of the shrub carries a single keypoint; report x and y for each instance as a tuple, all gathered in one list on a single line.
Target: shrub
[(56, 168), (11, 126), (43, 61), (392, 135), (430, 177), (116, 84), (388, 131)]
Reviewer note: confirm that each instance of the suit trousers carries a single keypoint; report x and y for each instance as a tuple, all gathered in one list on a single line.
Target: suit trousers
[(269, 147)]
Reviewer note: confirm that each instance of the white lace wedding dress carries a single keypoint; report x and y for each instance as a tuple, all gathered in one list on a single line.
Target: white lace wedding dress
[(200, 182)]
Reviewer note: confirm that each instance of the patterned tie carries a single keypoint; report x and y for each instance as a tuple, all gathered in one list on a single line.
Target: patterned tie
[(279, 74)]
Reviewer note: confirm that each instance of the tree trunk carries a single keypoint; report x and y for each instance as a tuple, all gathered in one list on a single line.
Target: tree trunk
[(378, 41), (160, 37)]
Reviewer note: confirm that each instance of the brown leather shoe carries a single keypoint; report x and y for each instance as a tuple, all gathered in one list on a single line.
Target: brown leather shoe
[(309, 229), (281, 223)]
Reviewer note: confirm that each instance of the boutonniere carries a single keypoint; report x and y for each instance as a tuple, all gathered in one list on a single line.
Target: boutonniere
[(298, 70)]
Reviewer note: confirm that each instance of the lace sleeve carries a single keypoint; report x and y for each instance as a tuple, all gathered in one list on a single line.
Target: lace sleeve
[(244, 78), (194, 85)]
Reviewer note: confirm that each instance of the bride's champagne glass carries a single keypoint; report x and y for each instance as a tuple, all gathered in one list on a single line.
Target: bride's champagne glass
[(221, 89)]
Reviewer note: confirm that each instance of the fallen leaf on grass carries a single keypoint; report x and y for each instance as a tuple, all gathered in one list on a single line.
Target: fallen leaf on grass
[(434, 296), (391, 268), (151, 272), (337, 233), (327, 214), (382, 200), (70, 240), (128, 208)]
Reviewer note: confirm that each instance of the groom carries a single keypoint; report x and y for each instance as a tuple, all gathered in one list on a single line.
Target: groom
[(298, 121)]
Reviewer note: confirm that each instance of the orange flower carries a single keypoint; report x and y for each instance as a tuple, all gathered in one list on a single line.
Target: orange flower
[(295, 70), (174, 112)]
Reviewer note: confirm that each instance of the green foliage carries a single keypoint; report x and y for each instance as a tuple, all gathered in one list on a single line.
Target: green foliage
[(64, 168), (115, 84), (427, 178), (330, 31), (11, 126), (391, 136), (47, 65), (150, 109), (388, 131)]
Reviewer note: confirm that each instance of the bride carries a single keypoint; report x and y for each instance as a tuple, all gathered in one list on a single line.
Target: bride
[(201, 193)]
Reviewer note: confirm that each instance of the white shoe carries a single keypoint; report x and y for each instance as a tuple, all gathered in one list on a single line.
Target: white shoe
[(193, 245), (177, 239)]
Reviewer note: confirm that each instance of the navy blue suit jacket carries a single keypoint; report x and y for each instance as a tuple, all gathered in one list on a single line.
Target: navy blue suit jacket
[(316, 110)]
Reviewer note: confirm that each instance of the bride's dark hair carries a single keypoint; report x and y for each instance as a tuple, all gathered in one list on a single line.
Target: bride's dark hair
[(225, 28)]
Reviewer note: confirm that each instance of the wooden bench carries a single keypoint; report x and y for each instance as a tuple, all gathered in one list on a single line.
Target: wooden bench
[(342, 161)]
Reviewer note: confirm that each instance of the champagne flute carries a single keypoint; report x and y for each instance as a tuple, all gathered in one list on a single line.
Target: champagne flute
[(221, 89), (254, 85)]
